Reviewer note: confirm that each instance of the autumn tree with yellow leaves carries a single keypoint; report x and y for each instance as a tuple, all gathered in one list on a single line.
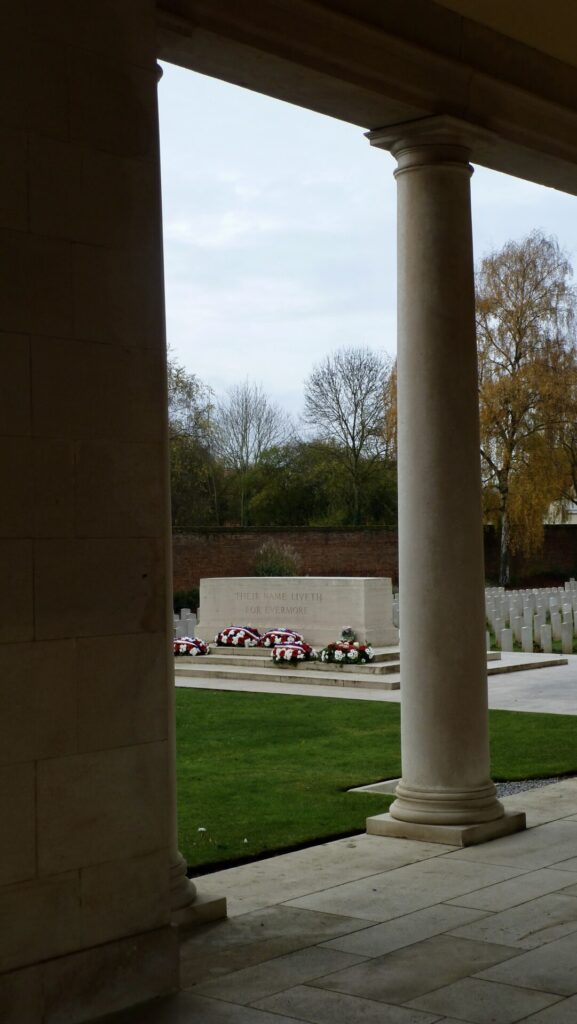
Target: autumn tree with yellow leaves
[(525, 308)]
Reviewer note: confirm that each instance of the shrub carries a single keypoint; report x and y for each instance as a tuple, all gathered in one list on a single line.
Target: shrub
[(276, 559)]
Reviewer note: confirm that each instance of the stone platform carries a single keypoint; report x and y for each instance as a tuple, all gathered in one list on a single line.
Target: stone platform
[(256, 664), (239, 665)]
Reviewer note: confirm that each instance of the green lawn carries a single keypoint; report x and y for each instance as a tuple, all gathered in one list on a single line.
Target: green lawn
[(261, 772)]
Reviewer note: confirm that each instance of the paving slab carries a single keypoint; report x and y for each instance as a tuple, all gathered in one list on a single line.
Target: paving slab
[(530, 925), (253, 983), (549, 803), (186, 1008), (323, 1007), (549, 968), (306, 872), (395, 893), (567, 865), (538, 847), (484, 1002), (521, 889), (236, 943), (411, 972), (564, 1012), (404, 931)]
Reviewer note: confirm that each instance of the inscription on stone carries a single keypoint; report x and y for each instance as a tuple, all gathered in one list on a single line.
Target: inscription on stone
[(318, 607), (267, 603)]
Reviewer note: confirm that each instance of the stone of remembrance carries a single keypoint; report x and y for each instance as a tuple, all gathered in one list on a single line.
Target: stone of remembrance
[(317, 606)]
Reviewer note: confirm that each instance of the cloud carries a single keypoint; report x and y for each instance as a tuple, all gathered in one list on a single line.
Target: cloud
[(227, 229)]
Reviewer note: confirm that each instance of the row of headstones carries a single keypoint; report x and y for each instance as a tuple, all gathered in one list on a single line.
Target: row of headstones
[(536, 616), (184, 624)]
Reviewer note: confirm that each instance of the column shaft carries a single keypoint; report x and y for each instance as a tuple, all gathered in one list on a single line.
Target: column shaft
[(445, 749)]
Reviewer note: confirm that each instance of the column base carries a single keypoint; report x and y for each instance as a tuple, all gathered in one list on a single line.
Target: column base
[(187, 908), (206, 908), (451, 835)]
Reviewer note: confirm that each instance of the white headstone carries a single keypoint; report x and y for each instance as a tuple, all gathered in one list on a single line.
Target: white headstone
[(546, 639), (527, 639), (506, 639), (567, 638)]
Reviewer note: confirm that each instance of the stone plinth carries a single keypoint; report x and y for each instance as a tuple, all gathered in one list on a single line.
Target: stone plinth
[(452, 835), (317, 606)]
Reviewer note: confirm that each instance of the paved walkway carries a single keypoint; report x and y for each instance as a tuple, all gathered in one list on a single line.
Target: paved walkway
[(390, 931), (546, 689), (373, 930)]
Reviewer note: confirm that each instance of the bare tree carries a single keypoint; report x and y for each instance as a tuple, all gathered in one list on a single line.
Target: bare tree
[(346, 399), (247, 423)]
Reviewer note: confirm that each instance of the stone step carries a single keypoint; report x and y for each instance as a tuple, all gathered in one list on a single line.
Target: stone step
[(531, 661), (201, 667), (381, 654), (248, 661)]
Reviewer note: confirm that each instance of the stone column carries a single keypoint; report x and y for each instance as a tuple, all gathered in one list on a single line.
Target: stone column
[(445, 746)]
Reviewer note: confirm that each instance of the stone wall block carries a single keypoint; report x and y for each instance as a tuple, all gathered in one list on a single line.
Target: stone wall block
[(15, 418), (13, 190), (16, 591), (108, 978), (105, 806), (36, 293), (120, 698), (87, 391), (112, 105), (17, 502), (17, 840), (38, 714), (21, 996), (110, 303), (52, 469), (124, 897), (133, 473), (97, 587), (44, 917), (56, 182), (124, 30), (86, 195), (13, 66)]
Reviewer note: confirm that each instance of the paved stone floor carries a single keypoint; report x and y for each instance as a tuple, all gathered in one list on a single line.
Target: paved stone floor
[(395, 932), (391, 931)]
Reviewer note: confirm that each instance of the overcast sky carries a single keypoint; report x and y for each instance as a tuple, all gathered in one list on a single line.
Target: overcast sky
[(279, 234)]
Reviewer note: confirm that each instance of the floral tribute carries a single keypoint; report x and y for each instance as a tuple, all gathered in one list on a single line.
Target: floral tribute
[(238, 636), (343, 652), (292, 653), (272, 637), (190, 645)]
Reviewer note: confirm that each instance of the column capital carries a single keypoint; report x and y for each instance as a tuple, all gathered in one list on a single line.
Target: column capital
[(440, 138)]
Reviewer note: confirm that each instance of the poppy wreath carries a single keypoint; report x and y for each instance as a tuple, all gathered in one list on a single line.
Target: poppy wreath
[(345, 653), (190, 645), (238, 636), (272, 637), (292, 653)]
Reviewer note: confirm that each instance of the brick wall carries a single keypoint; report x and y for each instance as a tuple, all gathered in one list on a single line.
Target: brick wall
[(556, 559), (322, 551), (325, 551)]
